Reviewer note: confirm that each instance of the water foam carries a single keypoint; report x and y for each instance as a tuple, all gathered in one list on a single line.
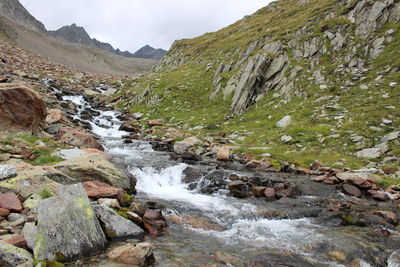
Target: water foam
[(167, 184)]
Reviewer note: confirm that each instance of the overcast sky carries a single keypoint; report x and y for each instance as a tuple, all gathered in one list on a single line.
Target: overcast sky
[(131, 24)]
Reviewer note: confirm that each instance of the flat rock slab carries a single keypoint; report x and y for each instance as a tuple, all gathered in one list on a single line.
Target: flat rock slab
[(67, 227), (96, 190), (67, 154), (12, 256), (97, 166), (7, 171), (115, 226)]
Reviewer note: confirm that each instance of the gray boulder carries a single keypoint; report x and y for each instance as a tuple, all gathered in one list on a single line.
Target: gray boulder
[(284, 122), (7, 171), (115, 226), (11, 256), (67, 227)]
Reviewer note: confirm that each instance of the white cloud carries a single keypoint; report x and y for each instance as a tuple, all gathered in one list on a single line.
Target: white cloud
[(131, 24)]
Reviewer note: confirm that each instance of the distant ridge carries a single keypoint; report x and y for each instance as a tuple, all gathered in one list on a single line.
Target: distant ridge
[(77, 34)]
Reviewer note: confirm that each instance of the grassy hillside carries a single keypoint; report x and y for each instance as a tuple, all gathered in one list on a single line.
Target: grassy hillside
[(333, 117)]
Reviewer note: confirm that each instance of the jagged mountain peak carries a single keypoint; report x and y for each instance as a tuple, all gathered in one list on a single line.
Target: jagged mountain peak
[(15, 11)]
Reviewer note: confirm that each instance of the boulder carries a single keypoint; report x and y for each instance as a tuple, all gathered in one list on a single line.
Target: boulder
[(270, 193), (134, 254), (191, 175), (191, 156), (67, 227), (96, 190), (353, 176), (4, 212), (213, 181), (11, 202), (239, 190), (7, 171), (15, 240), (98, 167), (32, 180), (55, 116), (351, 190), (21, 109), (258, 191), (157, 122), (29, 232), (390, 137), (154, 222), (11, 256), (284, 122), (109, 202), (369, 153), (115, 226), (77, 138), (223, 153)]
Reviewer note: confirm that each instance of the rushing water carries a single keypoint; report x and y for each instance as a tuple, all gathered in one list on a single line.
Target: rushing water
[(244, 232)]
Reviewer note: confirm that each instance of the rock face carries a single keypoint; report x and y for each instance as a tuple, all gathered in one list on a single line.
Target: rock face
[(67, 227), (21, 109), (134, 254), (97, 166), (11, 256), (115, 226), (13, 10)]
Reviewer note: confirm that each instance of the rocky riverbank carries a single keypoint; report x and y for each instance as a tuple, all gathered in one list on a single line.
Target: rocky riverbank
[(63, 199)]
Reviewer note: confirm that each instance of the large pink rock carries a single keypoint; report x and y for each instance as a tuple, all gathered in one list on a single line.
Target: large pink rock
[(21, 109), (11, 202)]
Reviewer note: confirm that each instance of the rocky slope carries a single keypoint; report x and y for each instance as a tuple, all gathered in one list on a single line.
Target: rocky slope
[(13, 10), (76, 34), (296, 81)]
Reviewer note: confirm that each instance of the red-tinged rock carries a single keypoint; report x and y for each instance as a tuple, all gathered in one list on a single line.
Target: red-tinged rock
[(351, 190), (55, 116), (381, 196), (4, 212), (316, 166), (154, 222), (270, 193), (366, 186), (78, 138), (331, 180), (372, 192), (223, 153), (390, 170), (11, 202), (305, 171), (27, 154), (21, 108), (258, 191), (96, 190), (157, 122), (319, 178), (17, 240)]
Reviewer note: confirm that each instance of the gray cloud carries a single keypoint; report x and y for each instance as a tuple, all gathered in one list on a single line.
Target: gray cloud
[(131, 24)]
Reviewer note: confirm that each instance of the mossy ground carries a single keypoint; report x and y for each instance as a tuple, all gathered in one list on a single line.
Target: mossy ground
[(23, 142)]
